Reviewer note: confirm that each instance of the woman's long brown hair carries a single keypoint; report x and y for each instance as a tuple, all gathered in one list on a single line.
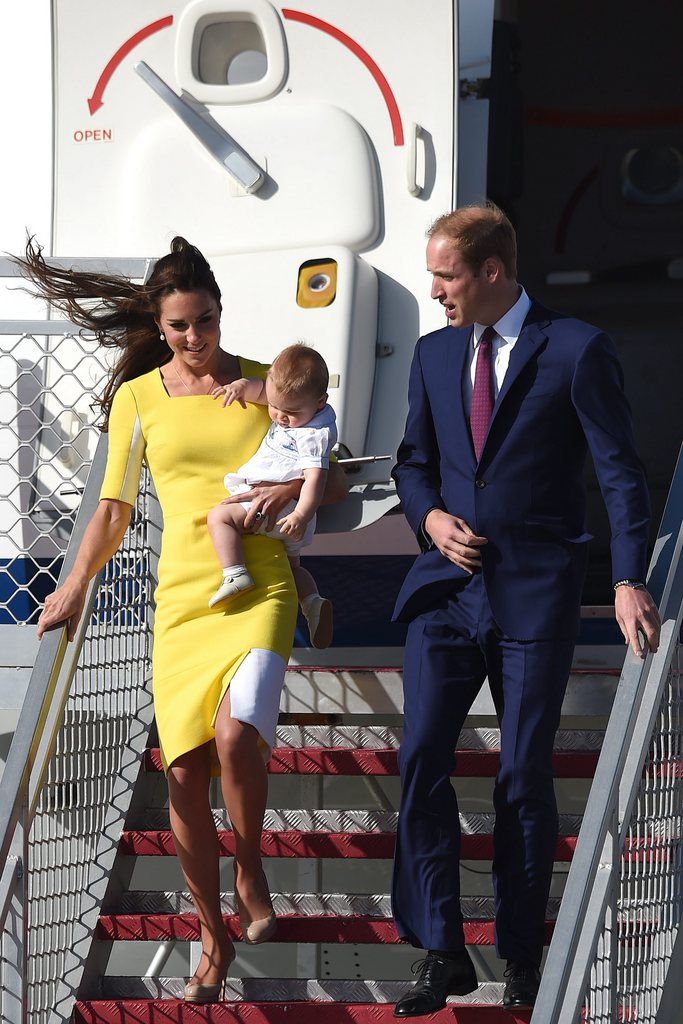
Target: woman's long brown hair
[(120, 313)]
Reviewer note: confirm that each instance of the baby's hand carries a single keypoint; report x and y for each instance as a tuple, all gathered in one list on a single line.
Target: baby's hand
[(292, 525), (232, 392)]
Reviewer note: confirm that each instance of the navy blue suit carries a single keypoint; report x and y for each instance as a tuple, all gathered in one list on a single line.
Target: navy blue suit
[(517, 620)]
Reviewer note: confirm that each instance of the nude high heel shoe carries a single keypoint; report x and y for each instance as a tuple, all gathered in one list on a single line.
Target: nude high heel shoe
[(204, 993), (207, 993), (254, 932)]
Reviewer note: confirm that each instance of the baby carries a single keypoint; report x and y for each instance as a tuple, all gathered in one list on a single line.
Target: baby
[(298, 444)]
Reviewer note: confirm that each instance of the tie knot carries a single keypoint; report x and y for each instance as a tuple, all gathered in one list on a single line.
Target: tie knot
[(488, 336)]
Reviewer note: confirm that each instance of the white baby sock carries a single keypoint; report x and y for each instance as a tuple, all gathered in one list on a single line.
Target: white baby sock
[(308, 601), (235, 579), (318, 614), (233, 570)]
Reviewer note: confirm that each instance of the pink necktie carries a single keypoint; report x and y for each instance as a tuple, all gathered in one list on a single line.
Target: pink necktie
[(482, 394)]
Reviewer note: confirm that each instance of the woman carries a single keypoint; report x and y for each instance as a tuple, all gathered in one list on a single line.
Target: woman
[(217, 678)]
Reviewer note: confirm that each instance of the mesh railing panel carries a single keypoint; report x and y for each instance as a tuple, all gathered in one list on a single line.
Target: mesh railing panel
[(650, 902), (47, 439), (85, 797)]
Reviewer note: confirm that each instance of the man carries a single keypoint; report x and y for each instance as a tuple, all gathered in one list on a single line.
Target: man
[(504, 403)]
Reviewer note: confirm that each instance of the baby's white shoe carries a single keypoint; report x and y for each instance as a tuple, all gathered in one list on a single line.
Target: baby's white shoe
[(318, 614), (231, 586)]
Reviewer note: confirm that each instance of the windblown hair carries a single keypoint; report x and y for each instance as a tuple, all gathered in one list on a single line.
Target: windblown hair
[(120, 313), (477, 232), (299, 369)]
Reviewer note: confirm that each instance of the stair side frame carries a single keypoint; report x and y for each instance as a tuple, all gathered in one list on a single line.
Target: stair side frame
[(86, 960), (593, 881)]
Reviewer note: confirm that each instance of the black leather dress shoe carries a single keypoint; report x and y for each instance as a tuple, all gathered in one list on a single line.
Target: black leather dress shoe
[(438, 977), (521, 984)]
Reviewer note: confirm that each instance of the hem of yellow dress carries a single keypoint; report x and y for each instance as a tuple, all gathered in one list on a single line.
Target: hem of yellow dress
[(215, 764)]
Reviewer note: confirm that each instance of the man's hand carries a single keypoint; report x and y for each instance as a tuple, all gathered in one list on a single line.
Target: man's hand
[(293, 525), (455, 539), (636, 611), (267, 502)]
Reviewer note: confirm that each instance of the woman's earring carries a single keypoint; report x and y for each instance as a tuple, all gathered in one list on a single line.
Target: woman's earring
[(162, 336)]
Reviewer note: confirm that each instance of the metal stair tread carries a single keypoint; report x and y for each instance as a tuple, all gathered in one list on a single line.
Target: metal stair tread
[(341, 820), (292, 989), (380, 737), (311, 903)]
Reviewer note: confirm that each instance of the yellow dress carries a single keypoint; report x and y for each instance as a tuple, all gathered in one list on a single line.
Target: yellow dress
[(189, 444)]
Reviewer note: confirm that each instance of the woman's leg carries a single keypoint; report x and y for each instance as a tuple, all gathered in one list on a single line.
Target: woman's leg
[(196, 843), (244, 781)]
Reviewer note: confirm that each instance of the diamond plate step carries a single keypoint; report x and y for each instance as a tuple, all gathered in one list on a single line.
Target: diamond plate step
[(291, 989), (335, 820), (379, 737), (313, 904)]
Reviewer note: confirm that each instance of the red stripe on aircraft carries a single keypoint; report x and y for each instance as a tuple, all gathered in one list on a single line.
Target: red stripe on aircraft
[(95, 101), (364, 56)]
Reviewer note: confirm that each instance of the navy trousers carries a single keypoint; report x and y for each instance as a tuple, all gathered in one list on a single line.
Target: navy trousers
[(450, 649)]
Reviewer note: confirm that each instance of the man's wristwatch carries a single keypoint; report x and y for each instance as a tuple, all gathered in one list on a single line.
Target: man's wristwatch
[(633, 584)]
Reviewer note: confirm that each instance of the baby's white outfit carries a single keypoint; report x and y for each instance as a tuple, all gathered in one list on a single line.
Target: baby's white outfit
[(284, 453)]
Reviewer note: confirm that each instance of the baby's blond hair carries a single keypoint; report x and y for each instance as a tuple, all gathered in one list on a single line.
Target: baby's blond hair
[(300, 369)]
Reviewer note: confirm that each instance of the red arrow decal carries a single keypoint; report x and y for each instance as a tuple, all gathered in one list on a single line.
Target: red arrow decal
[(364, 56), (95, 101)]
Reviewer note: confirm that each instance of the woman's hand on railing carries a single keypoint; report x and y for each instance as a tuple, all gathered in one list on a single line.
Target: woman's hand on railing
[(63, 607)]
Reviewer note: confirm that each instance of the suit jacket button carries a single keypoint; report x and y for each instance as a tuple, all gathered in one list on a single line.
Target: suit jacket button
[(480, 483)]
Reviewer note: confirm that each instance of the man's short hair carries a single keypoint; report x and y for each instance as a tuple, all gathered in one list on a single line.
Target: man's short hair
[(477, 232), (300, 369)]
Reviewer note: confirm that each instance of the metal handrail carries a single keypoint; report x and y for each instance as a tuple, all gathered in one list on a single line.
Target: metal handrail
[(46, 696), (593, 880), (131, 266)]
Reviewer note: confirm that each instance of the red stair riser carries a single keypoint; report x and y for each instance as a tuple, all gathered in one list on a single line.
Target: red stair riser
[(375, 845), (567, 764), (174, 1011), (184, 927), (342, 761)]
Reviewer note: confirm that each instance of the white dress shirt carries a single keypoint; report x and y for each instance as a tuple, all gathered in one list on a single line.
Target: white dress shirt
[(507, 329)]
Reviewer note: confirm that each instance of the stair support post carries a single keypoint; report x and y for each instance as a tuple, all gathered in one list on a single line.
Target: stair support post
[(309, 879), (14, 915)]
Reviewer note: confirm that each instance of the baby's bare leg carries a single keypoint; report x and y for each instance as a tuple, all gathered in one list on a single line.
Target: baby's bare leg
[(225, 523), (304, 582), (317, 610)]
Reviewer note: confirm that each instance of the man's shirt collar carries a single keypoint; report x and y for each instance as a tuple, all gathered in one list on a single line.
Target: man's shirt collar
[(509, 327)]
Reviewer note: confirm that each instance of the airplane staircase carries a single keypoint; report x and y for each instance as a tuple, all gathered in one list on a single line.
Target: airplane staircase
[(89, 882), (88, 818), (356, 916)]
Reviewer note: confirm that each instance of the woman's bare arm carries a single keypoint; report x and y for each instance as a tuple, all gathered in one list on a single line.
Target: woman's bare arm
[(102, 537)]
